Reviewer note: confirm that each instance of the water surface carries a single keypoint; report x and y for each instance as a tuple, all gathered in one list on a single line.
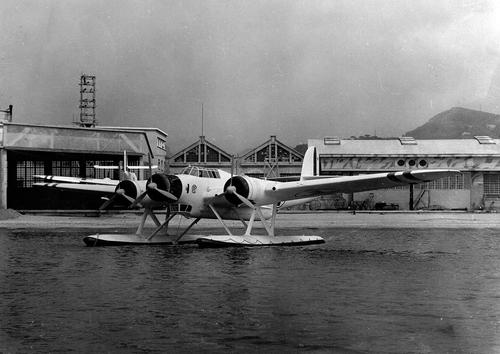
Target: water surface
[(365, 290)]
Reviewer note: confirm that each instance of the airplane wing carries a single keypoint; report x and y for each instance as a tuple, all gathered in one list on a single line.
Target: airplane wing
[(98, 188), (94, 181), (350, 184)]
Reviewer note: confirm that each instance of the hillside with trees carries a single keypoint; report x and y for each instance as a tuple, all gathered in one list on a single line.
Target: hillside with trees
[(458, 123)]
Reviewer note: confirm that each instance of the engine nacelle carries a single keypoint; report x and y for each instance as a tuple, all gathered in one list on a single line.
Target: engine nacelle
[(130, 188), (168, 183), (253, 189)]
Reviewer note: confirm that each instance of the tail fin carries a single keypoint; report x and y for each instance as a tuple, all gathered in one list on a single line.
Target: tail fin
[(309, 164)]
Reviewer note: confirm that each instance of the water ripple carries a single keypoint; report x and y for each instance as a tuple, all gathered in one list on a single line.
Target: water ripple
[(363, 291)]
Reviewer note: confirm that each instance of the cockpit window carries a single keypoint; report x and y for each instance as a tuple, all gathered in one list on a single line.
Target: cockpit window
[(201, 172)]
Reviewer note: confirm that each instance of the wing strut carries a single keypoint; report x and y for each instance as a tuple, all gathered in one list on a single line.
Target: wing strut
[(147, 212), (220, 219), (256, 212)]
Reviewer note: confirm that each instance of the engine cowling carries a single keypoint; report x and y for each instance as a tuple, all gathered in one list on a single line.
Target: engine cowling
[(129, 188), (164, 182), (253, 189)]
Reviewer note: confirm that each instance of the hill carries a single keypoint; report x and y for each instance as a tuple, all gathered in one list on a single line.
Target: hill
[(458, 123)]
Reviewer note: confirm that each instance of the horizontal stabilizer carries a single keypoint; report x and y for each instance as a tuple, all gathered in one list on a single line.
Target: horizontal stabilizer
[(99, 167), (142, 167)]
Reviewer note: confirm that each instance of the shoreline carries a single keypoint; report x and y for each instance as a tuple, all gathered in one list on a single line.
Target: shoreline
[(285, 220)]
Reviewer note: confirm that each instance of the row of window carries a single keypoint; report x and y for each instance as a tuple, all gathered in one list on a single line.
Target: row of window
[(491, 185), (201, 172), (197, 154), (273, 153), (451, 182), (26, 169), (412, 163)]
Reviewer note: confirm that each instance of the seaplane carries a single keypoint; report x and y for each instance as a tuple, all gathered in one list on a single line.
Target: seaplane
[(203, 193)]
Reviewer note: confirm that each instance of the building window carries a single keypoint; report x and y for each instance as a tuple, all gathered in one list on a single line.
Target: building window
[(212, 155), (92, 172), (451, 182), (192, 155), (25, 171), (491, 185), (263, 154), (66, 168)]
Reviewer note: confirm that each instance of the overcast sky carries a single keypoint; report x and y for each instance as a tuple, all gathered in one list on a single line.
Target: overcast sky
[(295, 69)]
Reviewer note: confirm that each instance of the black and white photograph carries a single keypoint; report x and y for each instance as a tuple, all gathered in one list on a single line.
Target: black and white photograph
[(237, 176)]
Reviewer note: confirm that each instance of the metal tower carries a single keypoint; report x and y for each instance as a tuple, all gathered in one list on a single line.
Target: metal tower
[(87, 101)]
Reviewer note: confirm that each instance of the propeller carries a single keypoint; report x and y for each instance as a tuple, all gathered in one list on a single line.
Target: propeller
[(119, 194), (149, 163), (125, 192), (154, 187), (232, 191), (138, 200), (107, 203), (158, 189), (234, 185)]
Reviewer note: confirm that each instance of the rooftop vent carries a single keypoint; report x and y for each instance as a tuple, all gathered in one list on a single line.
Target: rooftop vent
[(407, 140), (484, 139), (331, 140)]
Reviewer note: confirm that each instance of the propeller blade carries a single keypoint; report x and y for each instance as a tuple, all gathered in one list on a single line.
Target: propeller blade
[(244, 200), (128, 198), (164, 193), (138, 200), (107, 203), (122, 194), (232, 170), (232, 190), (150, 168)]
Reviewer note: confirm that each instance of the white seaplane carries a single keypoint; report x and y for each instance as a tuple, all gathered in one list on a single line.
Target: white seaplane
[(200, 193)]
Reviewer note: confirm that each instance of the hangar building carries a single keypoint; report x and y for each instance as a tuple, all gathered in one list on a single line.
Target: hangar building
[(270, 159), (29, 149), (477, 188)]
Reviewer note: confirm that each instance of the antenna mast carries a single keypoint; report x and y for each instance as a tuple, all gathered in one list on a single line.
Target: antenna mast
[(87, 101)]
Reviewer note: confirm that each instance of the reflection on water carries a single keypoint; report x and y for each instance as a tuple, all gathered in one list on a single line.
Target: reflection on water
[(421, 291)]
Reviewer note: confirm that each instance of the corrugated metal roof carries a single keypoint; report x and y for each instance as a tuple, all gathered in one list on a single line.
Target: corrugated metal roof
[(423, 147)]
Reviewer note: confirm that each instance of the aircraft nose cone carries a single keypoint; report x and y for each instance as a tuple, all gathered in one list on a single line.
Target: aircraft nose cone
[(152, 185)]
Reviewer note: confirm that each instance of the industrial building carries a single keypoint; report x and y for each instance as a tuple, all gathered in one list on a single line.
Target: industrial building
[(28, 149), (269, 159), (477, 188)]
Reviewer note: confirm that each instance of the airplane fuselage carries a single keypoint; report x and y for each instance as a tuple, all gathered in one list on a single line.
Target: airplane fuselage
[(198, 190)]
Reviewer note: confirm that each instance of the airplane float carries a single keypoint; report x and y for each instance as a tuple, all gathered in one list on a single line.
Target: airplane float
[(200, 193)]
